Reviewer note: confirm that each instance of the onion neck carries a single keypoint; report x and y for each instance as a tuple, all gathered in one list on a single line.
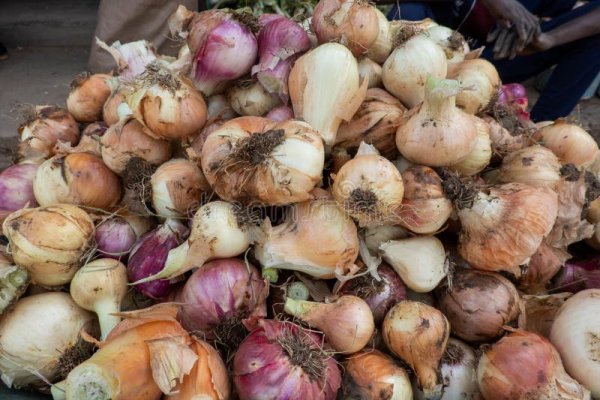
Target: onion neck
[(104, 308), (90, 382), (440, 98), (308, 311)]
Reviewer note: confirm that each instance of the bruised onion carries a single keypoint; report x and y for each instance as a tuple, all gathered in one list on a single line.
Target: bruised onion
[(478, 304), (16, 187), (524, 365), (88, 95), (294, 364)]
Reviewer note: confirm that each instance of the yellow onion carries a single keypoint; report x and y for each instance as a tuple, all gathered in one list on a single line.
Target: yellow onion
[(257, 159), (89, 142), (375, 122), (480, 156), (544, 264), (43, 128), (371, 71), (316, 238), (353, 23), (177, 186), (570, 143), (369, 187), (110, 110), (503, 141), (480, 81), (478, 304), (407, 68), (425, 207), (167, 104), (50, 242), (76, 178), (325, 90), (534, 165), (382, 47), (88, 95), (453, 43), (370, 375), (128, 140), (503, 227), (437, 133), (525, 366), (418, 334), (249, 97)]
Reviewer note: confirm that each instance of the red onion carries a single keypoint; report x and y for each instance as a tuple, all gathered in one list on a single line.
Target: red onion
[(223, 49), (114, 238), (514, 96), (280, 113), (149, 254), (280, 42), (578, 276), (221, 298), (16, 187), (281, 360), (379, 295)]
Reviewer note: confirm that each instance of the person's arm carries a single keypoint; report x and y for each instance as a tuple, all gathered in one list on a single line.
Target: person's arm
[(578, 28), (511, 16)]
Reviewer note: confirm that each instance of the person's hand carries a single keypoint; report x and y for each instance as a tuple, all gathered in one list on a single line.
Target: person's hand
[(510, 14), (544, 41)]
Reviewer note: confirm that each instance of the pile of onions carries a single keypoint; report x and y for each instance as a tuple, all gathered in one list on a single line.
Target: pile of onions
[(369, 187), (570, 143), (407, 69), (533, 165), (76, 178), (325, 89), (524, 365), (257, 159), (375, 123), (50, 242), (88, 95), (43, 128), (479, 304), (480, 82), (437, 133), (297, 364), (115, 236), (40, 340), (316, 238), (16, 188)]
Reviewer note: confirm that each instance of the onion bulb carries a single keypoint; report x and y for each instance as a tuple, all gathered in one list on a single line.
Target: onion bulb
[(40, 340), (131, 58), (575, 333), (316, 238), (418, 334), (480, 156), (167, 104), (14, 280), (88, 95), (369, 187), (353, 23), (533, 165), (375, 236), (524, 365), (453, 43), (249, 97), (481, 83), (76, 178), (347, 321), (479, 304), (43, 128), (371, 71), (382, 47), (425, 207), (176, 188), (116, 235), (50, 242), (503, 141), (542, 267), (437, 133), (570, 143), (375, 123), (128, 140), (280, 113), (407, 68), (370, 375), (257, 159), (100, 286), (420, 261), (89, 142), (16, 188), (325, 89), (110, 110)]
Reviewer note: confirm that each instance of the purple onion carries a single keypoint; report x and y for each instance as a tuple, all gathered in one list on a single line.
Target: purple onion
[(280, 42), (16, 187), (114, 238), (280, 113), (149, 254), (382, 295), (577, 276)]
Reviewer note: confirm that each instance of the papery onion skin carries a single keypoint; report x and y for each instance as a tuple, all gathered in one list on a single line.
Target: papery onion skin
[(481, 82), (77, 178), (256, 159), (16, 187), (453, 43), (369, 69), (89, 142), (110, 112), (539, 311), (382, 47), (543, 266), (250, 98), (503, 141), (87, 97), (570, 143), (478, 304), (131, 58), (534, 165), (49, 241), (304, 371), (479, 158), (524, 365)]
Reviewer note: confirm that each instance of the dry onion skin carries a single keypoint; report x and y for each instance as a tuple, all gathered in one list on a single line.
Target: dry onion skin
[(524, 365), (88, 95), (479, 158), (453, 43), (257, 159), (369, 187), (534, 165), (480, 81), (570, 143), (77, 178), (249, 97), (371, 71), (118, 94)]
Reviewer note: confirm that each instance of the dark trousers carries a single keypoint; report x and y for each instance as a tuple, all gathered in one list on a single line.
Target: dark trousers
[(577, 63)]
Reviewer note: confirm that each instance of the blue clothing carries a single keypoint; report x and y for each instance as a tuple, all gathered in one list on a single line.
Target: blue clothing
[(577, 63)]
